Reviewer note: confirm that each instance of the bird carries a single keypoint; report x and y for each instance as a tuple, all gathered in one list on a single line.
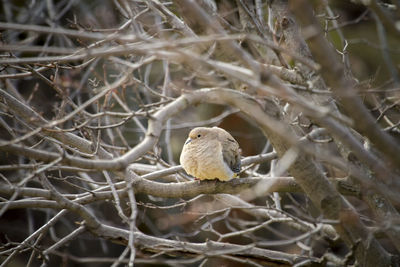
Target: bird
[(211, 153)]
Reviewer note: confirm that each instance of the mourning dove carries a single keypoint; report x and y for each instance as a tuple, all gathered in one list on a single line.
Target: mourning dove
[(211, 153)]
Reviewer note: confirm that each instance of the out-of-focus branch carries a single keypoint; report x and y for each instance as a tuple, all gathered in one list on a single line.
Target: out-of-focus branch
[(31, 116), (383, 15), (210, 248), (39, 231), (293, 38), (333, 73), (62, 31)]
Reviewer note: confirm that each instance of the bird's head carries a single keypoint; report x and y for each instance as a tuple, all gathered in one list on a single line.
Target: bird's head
[(200, 133)]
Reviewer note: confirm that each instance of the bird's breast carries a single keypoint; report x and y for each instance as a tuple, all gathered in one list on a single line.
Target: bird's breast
[(205, 161)]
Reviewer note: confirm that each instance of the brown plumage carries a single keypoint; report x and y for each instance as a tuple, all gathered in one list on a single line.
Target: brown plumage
[(211, 153)]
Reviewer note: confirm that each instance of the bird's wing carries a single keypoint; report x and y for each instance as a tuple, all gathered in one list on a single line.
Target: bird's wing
[(230, 154)]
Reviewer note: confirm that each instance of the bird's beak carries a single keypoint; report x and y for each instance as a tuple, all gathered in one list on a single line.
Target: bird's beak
[(188, 141)]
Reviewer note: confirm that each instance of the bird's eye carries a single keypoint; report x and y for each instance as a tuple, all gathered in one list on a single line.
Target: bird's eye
[(199, 135)]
